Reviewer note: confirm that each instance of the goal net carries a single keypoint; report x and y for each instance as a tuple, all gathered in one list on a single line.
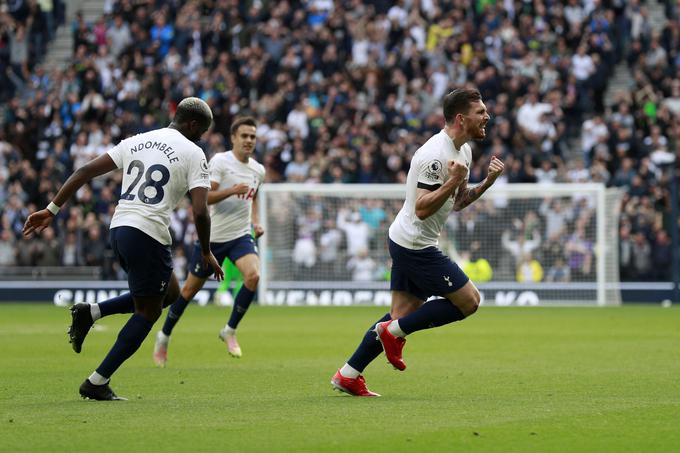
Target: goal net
[(520, 244)]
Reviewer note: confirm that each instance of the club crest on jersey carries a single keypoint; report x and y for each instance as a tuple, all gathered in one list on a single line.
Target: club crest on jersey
[(434, 169), (247, 196)]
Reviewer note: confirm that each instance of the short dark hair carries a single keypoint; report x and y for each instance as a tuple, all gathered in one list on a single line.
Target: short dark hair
[(240, 121), (458, 101), (193, 109)]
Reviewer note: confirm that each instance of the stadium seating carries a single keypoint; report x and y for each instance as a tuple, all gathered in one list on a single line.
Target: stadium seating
[(344, 92)]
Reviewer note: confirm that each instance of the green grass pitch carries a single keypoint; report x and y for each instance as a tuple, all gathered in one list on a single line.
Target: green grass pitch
[(510, 379)]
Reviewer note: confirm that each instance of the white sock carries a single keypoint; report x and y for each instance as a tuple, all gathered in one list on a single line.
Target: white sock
[(349, 372), (229, 331), (161, 336), (98, 379), (395, 329), (95, 312)]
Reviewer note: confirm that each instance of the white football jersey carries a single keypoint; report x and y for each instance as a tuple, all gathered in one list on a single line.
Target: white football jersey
[(428, 170), (159, 168), (232, 216)]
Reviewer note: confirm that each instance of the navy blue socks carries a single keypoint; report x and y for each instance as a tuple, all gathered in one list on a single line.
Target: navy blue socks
[(241, 304), (368, 349), (129, 340), (434, 313), (120, 304), (174, 313)]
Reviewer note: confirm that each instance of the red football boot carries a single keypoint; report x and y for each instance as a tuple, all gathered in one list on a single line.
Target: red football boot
[(354, 387), (392, 345)]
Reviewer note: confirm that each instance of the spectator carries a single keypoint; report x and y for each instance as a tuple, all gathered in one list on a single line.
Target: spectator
[(593, 130), (298, 122), (546, 173), (93, 246), (46, 249), (119, 36), (179, 262), (662, 256), (559, 272), (19, 47), (556, 216), (479, 270), (521, 246), (8, 252), (362, 266), (624, 176), (305, 251), (579, 253), (162, 34), (357, 232), (372, 213), (529, 270), (71, 251), (642, 257), (330, 242), (530, 116), (298, 170)]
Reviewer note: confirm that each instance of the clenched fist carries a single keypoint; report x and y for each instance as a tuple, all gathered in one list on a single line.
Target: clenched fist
[(457, 171), (496, 167)]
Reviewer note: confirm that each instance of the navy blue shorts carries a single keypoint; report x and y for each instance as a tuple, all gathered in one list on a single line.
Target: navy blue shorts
[(148, 263), (424, 273), (233, 250)]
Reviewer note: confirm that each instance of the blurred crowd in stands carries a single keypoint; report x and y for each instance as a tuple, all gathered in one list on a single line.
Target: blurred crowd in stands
[(344, 91), (335, 237)]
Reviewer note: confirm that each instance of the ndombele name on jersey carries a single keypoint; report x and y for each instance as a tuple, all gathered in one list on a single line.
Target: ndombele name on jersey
[(160, 146)]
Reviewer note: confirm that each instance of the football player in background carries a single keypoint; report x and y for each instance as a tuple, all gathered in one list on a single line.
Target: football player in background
[(235, 178)]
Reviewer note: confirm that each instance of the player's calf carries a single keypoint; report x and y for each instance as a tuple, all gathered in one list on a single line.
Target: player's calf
[(435, 313)]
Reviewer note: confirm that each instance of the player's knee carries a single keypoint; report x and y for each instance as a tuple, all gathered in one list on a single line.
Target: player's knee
[(172, 294), (170, 297), (189, 290), (150, 313), (154, 314), (473, 302), (187, 293), (252, 279)]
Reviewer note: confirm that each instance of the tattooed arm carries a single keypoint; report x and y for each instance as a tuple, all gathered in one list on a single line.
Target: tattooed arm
[(469, 194), (429, 199)]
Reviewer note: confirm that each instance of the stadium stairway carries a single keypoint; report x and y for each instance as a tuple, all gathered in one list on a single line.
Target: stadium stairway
[(620, 82), (622, 78), (60, 50), (657, 16)]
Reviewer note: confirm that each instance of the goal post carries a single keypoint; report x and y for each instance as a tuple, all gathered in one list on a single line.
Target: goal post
[(521, 244)]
